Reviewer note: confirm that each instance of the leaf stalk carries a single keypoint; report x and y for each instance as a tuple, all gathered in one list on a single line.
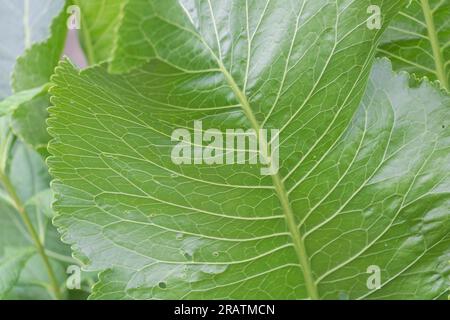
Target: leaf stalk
[(32, 231)]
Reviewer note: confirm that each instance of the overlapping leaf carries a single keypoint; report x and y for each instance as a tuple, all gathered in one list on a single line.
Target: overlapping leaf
[(99, 19), (417, 40)]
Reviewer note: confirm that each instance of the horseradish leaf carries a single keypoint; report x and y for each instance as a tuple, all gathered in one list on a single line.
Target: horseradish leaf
[(377, 196), (12, 102), (362, 186)]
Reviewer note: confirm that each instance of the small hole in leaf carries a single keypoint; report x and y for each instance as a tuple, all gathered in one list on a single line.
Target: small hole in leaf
[(162, 285), (443, 126)]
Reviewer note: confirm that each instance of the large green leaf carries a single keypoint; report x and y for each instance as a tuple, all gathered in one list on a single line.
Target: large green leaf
[(24, 22), (27, 114), (35, 66), (418, 40), (357, 187), (377, 196)]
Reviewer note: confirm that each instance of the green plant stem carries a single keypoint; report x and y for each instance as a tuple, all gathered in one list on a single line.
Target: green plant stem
[(432, 35), (34, 236)]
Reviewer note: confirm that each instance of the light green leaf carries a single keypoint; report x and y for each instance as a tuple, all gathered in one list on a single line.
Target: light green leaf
[(11, 266), (12, 102), (33, 283), (417, 41), (35, 66), (99, 21), (361, 185), (28, 172), (30, 82), (23, 22), (28, 122), (28, 114)]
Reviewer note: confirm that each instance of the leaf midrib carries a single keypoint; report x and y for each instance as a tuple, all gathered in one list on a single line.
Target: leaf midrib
[(280, 189), (297, 240)]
